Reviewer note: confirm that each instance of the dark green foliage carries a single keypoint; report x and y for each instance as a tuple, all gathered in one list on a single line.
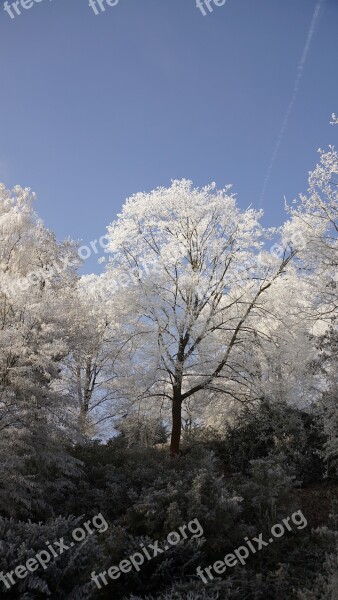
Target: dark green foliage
[(275, 429), (65, 577), (141, 432), (237, 486)]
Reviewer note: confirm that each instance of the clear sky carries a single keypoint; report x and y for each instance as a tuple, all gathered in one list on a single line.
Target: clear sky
[(96, 107)]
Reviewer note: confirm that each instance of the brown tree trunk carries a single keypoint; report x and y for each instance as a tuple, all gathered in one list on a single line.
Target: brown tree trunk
[(176, 425)]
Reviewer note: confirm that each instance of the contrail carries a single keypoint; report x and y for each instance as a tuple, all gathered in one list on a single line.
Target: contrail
[(300, 69)]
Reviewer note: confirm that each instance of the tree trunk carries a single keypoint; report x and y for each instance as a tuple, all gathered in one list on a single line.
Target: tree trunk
[(176, 425), (79, 385)]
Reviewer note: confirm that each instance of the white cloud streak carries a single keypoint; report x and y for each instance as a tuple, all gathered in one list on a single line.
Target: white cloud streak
[(296, 86)]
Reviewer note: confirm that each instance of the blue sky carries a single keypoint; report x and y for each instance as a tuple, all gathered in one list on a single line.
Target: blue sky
[(95, 108)]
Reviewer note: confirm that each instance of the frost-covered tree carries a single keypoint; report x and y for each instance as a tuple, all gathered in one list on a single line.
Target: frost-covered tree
[(200, 279), (313, 230), (96, 339), (35, 271)]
